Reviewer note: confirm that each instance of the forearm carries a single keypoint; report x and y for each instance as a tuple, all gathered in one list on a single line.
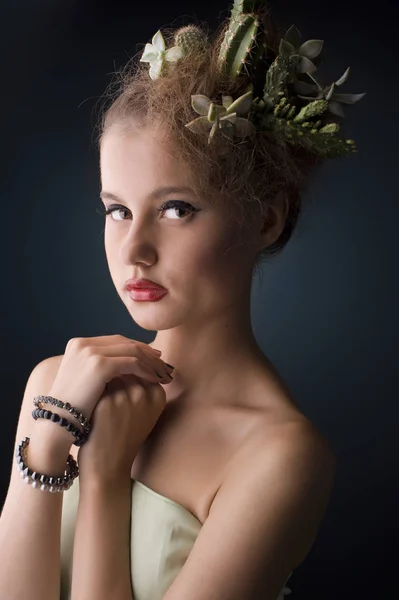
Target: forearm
[(101, 555), (30, 526)]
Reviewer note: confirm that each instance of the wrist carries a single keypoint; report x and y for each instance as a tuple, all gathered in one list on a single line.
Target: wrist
[(105, 491), (106, 487), (46, 455), (51, 436)]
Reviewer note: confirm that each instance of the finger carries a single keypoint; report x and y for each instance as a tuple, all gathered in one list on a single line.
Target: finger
[(115, 385), (142, 345), (131, 380), (152, 351), (131, 350), (105, 340), (132, 365)]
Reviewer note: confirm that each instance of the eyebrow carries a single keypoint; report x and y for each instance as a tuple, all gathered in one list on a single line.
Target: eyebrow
[(154, 195)]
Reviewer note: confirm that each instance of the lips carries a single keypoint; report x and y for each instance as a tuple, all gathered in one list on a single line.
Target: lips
[(143, 284)]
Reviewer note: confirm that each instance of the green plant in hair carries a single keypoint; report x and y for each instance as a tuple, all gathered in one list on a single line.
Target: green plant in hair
[(282, 95)]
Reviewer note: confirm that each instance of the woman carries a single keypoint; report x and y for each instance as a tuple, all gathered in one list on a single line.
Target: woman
[(210, 484)]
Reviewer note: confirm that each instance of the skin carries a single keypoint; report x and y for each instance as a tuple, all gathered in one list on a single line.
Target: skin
[(205, 317), (203, 328)]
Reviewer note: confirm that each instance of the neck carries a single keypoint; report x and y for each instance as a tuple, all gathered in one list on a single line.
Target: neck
[(215, 354)]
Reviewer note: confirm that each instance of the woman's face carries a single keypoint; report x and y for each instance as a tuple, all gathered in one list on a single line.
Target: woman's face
[(188, 247)]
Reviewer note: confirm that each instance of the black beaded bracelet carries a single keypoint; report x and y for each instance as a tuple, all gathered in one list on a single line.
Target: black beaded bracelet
[(45, 482), (84, 421), (40, 413)]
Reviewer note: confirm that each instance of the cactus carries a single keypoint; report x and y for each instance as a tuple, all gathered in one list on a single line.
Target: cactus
[(273, 98), (298, 129), (191, 39), (277, 109), (280, 74), (241, 37)]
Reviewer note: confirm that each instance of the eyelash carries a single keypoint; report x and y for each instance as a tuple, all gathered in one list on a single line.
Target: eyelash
[(166, 206)]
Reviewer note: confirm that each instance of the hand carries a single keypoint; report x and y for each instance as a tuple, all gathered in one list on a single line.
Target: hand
[(122, 419), (90, 363)]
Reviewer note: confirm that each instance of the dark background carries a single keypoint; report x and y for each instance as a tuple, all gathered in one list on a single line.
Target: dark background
[(326, 309)]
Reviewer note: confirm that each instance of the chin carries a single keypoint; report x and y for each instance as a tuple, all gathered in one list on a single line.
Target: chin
[(149, 317)]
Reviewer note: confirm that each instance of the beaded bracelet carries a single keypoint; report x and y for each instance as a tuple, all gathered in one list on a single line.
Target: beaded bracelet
[(45, 482), (80, 437), (84, 421), (39, 413)]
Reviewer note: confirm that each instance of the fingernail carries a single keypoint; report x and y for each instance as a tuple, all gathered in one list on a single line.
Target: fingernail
[(157, 351), (170, 366)]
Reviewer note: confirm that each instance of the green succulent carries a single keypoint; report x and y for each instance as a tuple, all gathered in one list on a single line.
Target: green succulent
[(292, 61), (289, 47), (278, 110), (278, 85), (230, 117), (307, 52), (328, 93)]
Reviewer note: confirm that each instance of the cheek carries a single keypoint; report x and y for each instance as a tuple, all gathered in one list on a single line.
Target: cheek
[(112, 254), (109, 251), (219, 259), (114, 234)]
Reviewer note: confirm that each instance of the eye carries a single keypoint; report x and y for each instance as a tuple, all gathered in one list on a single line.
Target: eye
[(179, 205), (113, 208), (173, 205)]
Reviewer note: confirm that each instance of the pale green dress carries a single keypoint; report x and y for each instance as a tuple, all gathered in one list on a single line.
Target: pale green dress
[(161, 536)]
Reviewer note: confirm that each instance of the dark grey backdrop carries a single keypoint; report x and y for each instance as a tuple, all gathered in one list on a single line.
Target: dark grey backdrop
[(326, 310)]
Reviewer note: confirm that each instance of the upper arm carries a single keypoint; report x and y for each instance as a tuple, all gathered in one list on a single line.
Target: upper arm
[(39, 381), (262, 523)]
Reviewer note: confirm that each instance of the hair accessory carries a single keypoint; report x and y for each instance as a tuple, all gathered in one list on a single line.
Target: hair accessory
[(56, 418), (39, 413), (230, 117), (84, 421), (282, 95), (156, 54)]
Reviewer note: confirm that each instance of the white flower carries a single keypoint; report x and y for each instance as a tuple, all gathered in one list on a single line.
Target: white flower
[(156, 53)]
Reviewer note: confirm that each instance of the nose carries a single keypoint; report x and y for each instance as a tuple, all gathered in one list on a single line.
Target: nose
[(138, 245)]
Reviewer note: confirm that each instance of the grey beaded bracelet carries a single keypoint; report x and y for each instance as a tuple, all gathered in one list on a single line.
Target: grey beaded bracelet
[(45, 482), (84, 421), (80, 436)]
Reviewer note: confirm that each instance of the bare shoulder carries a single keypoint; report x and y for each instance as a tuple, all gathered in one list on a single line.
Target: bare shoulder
[(285, 438), (49, 366), (55, 361), (301, 438), (280, 423), (46, 370), (293, 472), (282, 451)]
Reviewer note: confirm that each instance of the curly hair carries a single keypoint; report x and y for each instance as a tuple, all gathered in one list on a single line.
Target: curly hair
[(245, 175)]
